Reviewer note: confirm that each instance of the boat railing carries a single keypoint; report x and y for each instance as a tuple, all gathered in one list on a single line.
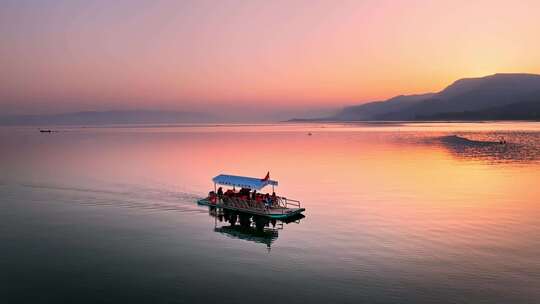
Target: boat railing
[(240, 203), (288, 203), (281, 203)]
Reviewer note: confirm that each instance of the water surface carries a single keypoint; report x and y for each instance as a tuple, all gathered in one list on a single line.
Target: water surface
[(396, 213)]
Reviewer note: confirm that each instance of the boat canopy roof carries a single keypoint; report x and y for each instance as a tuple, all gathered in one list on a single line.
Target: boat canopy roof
[(243, 181)]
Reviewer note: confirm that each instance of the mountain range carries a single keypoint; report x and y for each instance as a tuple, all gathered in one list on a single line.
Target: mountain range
[(494, 97)]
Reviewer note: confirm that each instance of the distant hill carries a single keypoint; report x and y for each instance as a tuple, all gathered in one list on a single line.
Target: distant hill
[(481, 98), (515, 111), (107, 117), (371, 110)]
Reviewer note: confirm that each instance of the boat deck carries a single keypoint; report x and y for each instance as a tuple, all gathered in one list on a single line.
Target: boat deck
[(275, 213)]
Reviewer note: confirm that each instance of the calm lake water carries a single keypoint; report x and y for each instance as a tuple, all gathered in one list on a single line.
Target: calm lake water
[(396, 213)]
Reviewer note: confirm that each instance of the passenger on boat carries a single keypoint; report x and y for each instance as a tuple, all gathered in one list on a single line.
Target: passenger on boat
[(220, 192), (254, 195), (274, 197), (212, 197), (267, 201), (244, 193)]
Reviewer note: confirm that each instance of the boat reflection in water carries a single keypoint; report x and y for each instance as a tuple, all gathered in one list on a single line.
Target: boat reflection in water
[(253, 228)]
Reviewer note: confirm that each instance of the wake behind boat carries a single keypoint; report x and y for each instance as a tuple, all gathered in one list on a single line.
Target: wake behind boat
[(248, 199)]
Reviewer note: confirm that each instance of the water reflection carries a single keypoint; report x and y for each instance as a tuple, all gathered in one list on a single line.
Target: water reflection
[(494, 147), (249, 227), (394, 215)]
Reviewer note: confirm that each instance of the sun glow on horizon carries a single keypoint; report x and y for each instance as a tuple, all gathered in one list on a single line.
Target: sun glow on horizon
[(199, 54)]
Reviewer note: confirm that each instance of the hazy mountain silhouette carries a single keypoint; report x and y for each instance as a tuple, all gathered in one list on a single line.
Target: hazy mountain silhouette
[(373, 109), (490, 97), (107, 117)]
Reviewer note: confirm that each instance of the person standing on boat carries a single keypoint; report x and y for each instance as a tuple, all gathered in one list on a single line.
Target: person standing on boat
[(267, 201), (254, 194), (220, 193), (253, 197)]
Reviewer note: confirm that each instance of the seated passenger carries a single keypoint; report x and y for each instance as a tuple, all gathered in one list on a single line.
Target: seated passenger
[(212, 197)]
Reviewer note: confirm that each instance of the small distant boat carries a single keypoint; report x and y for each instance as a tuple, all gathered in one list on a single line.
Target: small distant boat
[(270, 206), (45, 131)]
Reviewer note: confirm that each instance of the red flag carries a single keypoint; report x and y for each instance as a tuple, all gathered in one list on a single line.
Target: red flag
[(267, 177)]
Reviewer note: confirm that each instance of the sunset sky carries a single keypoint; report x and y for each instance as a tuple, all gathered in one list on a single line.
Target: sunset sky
[(59, 56)]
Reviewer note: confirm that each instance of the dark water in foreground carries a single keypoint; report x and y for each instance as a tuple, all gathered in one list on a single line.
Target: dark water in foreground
[(395, 214)]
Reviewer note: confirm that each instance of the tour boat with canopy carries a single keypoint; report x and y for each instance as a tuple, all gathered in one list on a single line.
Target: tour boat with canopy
[(249, 199)]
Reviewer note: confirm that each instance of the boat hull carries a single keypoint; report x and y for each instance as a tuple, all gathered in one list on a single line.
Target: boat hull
[(272, 213)]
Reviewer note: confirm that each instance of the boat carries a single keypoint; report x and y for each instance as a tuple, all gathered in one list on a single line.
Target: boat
[(269, 206)]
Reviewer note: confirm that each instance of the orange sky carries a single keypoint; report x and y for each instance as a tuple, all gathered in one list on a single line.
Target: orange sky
[(89, 55)]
